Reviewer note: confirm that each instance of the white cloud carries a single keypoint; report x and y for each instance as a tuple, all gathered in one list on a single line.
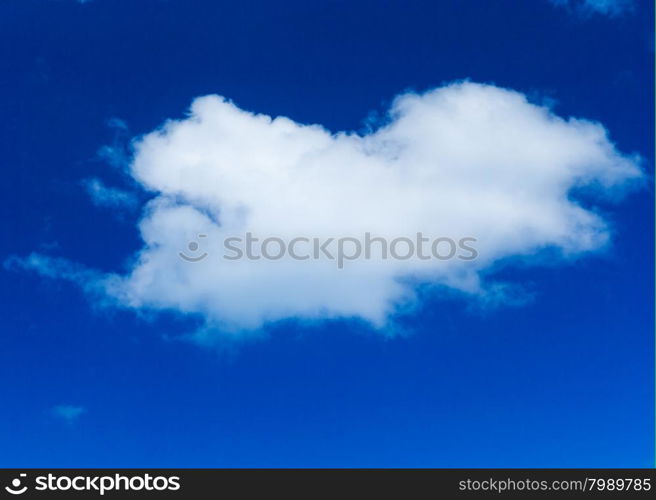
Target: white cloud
[(461, 160), (68, 413), (607, 7)]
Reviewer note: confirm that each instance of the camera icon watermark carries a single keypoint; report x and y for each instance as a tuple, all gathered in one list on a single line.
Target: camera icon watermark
[(15, 488), (193, 247)]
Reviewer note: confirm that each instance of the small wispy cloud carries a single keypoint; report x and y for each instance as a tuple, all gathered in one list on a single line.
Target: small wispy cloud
[(605, 7), (116, 154), (93, 283), (105, 196), (68, 413)]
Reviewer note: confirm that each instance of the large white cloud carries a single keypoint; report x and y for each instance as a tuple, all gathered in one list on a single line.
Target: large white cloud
[(461, 160)]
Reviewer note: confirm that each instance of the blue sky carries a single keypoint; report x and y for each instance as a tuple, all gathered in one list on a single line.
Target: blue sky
[(563, 378)]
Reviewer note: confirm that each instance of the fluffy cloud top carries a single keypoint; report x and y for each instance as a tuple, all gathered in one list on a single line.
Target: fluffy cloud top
[(463, 160)]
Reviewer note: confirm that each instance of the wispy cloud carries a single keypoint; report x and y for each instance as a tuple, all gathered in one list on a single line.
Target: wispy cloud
[(68, 413), (105, 196), (117, 154), (94, 284), (605, 7)]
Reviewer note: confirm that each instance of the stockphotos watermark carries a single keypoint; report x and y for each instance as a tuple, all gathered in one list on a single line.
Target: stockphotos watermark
[(100, 484), (338, 249)]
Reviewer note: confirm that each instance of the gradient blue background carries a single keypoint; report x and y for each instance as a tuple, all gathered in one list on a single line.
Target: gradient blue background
[(565, 380)]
